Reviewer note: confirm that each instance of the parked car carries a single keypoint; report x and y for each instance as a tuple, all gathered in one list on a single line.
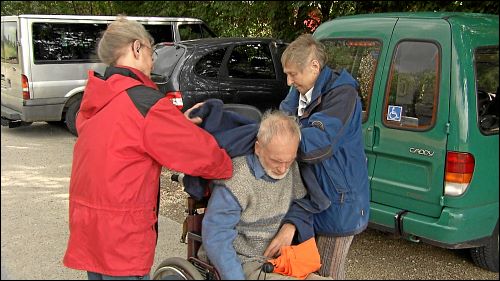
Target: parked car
[(45, 60), (235, 70), (429, 86)]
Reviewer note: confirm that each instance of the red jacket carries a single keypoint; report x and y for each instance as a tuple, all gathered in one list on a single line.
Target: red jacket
[(128, 130)]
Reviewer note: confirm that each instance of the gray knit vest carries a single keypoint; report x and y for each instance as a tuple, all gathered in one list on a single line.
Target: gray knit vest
[(263, 204)]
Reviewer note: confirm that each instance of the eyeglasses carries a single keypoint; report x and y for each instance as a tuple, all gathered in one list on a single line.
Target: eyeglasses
[(154, 54)]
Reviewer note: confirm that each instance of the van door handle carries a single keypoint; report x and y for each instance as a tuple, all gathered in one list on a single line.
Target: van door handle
[(376, 136), (369, 136), (372, 136)]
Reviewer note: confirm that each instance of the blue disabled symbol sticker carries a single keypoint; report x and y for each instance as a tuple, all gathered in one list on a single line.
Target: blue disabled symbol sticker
[(394, 113)]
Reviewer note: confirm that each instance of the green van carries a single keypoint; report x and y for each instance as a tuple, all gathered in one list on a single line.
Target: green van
[(429, 86)]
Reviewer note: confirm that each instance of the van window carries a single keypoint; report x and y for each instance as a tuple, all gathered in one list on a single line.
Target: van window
[(412, 89), (194, 31), (486, 65), (66, 42), (251, 61), (160, 32), (358, 57), (9, 42)]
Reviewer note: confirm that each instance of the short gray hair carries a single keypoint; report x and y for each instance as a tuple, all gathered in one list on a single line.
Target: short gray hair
[(277, 123), (302, 49), (117, 36)]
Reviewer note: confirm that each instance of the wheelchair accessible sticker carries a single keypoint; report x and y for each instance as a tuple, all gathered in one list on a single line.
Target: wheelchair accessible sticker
[(394, 113)]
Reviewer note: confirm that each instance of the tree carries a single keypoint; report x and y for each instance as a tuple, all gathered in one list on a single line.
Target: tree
[(279, 19)]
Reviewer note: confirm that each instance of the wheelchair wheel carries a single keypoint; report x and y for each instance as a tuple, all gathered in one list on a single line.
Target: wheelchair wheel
[(176, 268)]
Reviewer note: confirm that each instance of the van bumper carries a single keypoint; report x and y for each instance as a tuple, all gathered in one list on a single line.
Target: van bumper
[(454, 229), (11, 118), (36, 110), (10, 114)]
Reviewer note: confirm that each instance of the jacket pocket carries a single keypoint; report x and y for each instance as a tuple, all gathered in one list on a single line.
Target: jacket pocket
[(338, 188)]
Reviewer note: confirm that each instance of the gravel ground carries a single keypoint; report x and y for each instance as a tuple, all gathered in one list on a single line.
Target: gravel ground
[(373, 254), (172, 198)]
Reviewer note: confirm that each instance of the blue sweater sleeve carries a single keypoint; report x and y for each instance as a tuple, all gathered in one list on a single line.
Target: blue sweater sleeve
[(219, 231)]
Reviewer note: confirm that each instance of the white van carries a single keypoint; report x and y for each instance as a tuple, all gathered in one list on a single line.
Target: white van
[(46, 58)]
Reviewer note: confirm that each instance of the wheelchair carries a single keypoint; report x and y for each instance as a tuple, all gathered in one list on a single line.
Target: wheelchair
[(194, 267)]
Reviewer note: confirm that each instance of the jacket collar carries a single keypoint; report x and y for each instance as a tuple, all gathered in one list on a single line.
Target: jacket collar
[(129, 72)]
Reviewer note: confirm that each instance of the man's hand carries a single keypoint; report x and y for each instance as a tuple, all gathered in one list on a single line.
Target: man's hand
[(195, 120), (283, 238)]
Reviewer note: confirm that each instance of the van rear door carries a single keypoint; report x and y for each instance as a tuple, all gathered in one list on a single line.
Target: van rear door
[(360, 46), (12, 96), (411, 118)]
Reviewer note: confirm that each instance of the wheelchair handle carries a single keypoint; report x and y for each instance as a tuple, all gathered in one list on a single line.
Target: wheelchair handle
[(268, 267), (177, 177)]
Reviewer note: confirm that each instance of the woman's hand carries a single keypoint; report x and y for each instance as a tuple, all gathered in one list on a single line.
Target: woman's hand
[(283, 238), (195, 120)]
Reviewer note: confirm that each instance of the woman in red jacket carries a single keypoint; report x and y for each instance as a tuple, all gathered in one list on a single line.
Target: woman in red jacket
[(128, 130)]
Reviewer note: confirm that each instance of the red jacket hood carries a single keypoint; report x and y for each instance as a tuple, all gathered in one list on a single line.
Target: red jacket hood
[(100, 90)]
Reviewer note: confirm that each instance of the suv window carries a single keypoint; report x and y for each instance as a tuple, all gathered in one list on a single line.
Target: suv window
[(9, 42), (251, 61), (65, 42), (167, 57), (194, 31), (209, 64), (412, 90), (358, 57), (486, 65)]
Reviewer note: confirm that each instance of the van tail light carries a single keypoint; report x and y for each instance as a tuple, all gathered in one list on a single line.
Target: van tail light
[(25, 87), (458, 172), (176, 99)]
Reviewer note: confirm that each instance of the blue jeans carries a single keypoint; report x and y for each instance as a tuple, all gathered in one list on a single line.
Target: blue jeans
[(99, 276)]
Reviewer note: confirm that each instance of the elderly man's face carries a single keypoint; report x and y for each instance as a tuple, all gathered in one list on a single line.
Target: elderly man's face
[(278, 155)]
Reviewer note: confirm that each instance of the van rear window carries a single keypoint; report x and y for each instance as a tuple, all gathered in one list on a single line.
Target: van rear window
[(413, 86), (486, 65), (160, 33), (194, 31), (358, 57), (9, 42), (66, 42)]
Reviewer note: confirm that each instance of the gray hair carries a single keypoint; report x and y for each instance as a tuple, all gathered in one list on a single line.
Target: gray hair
[(277, 123), (117, 36), (303, 49)]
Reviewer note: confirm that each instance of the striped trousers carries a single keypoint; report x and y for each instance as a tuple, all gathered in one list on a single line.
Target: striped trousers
[(333, 252)]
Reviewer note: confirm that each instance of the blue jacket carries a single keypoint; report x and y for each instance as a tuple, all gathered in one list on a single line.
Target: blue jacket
[(237, 135), (332, 142)]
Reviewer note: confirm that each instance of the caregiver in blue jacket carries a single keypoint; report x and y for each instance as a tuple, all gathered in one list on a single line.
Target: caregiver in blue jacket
[(329, 111)]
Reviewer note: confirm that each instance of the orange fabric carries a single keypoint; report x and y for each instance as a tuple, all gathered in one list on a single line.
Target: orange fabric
[(299, 260)]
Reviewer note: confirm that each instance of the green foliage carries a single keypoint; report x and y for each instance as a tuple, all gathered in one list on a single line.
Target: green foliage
[(279, 19)]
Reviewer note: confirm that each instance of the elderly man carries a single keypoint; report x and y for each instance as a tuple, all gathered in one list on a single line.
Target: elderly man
[(245, 212)]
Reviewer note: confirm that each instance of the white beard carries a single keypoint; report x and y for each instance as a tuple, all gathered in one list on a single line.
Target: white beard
[(276, 177)]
